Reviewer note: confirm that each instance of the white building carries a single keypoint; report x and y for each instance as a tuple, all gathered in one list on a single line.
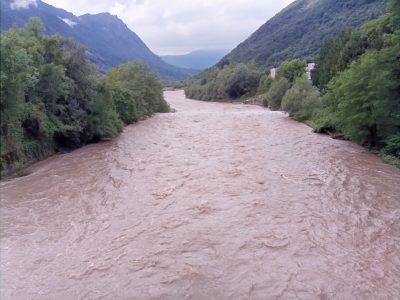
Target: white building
[(309, 67), (272, 72)]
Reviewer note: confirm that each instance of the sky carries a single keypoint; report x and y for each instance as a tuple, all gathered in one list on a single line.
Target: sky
[(182, 26)]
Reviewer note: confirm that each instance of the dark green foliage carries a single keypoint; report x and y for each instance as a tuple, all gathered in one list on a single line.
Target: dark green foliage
[(222, 63), (363, 96), (354, 48), (142, 83), (103, 120), (266, 82), (394, 8), (253, 81), (389, 159), (301, 96), (52, 97), (273, 98), (291, 70), (393, 144), (303, 115), (298, 30), (125, 105), (233, 81), (237, 81), (324, 121), (336, 54), (326, 64)]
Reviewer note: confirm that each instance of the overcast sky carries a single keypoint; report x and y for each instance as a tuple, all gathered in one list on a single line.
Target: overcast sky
[(182, 26)]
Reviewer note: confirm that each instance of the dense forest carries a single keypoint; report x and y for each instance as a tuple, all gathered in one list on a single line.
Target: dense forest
[(354, 93), (299, 29), (54, 99)]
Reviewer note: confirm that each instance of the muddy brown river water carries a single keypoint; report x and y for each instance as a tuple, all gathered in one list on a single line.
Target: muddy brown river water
[(216, 201)]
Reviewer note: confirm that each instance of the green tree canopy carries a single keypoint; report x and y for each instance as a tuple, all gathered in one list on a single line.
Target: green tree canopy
[(367, 105), (301, 96), (273, 98), (291, 69)]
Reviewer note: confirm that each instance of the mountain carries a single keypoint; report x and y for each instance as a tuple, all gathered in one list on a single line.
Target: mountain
[(109, 41), (200, 59), (299, 30)]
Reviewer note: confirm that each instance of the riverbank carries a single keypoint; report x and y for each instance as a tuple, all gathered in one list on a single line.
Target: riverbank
[(385, 157)]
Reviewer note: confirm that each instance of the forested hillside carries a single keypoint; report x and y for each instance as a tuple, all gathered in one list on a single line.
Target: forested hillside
[(298, 30), (54, 99), (109, 41)]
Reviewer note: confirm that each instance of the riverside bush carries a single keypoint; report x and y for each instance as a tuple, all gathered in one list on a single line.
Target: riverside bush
[(301, 96), (273, 97)]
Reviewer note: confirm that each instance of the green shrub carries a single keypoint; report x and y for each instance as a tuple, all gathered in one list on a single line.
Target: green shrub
[(389, 159), (301, 96), (125, 106), (273, 97), (303, 115), (393, 144)]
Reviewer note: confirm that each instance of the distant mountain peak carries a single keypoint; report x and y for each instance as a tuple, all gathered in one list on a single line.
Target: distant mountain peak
[(199, 59), (105, 19)]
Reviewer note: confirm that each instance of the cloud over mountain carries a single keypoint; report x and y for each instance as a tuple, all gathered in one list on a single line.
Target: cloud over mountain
[(18, 4)]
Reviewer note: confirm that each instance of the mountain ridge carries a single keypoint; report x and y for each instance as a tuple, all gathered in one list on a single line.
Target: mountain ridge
[(199, 59), (108, 46)]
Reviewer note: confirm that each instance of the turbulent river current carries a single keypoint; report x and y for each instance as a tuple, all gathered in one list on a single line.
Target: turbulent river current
[(215, 201)]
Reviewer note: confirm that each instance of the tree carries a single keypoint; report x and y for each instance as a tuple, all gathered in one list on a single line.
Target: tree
[(326, 62), (266, 83), (253, 81), (251, 65), (142, 83), (237, 81), (222, 63), (18, 75), (394, 10), (273, 97), (35, 27), (301, 96), (291, 70), (365, 97), (52, 97)]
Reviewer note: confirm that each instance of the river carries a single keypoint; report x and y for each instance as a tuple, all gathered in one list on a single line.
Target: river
[(215, 201)]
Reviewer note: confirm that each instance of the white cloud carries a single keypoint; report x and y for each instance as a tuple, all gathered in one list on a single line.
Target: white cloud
[(181, 26), (17, 4), (69, 22)]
